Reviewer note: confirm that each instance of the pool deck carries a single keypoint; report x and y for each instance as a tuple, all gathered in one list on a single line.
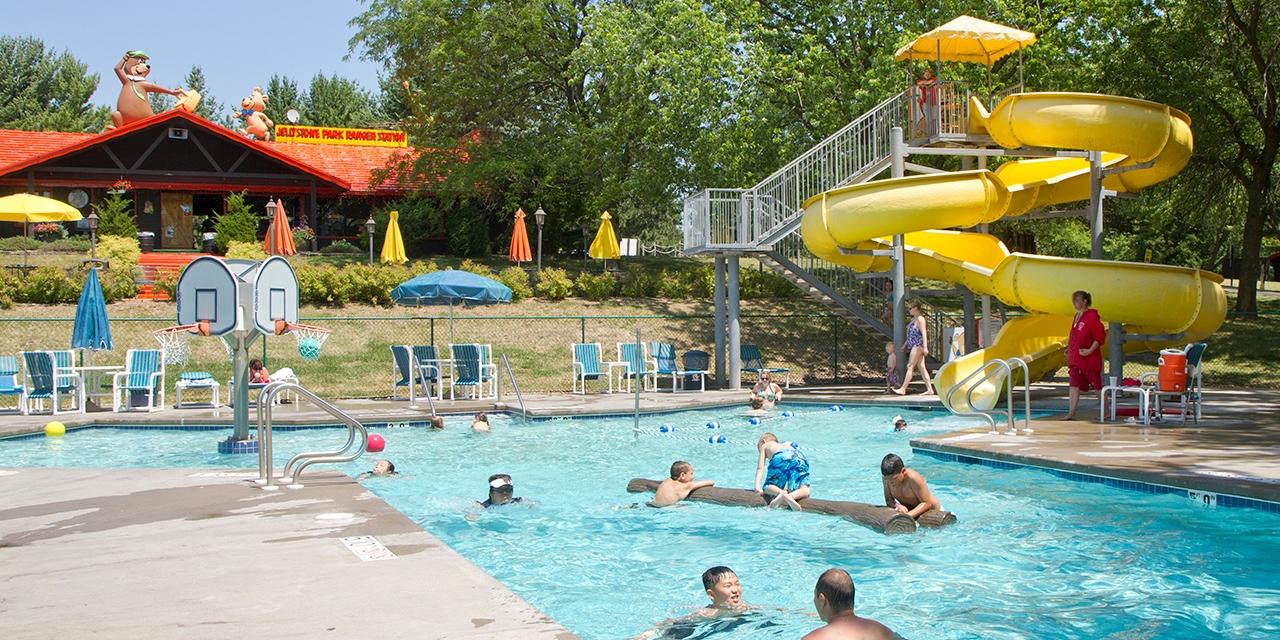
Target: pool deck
[(200, 553)]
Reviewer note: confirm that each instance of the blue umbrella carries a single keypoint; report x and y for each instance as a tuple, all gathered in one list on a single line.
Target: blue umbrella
[(92, 329), (450, 287)]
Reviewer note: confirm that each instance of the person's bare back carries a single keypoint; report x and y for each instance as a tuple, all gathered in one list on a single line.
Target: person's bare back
[(678, 486), (846, 626), (905, 489)]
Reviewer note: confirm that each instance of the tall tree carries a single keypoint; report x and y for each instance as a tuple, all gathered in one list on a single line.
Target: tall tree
[(282, 95), (337, 102), (209, 108), (42, 90)]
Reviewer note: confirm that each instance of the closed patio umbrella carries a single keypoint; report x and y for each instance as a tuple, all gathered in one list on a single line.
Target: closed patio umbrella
[(91, 329), (393, 245), (605, 245), (27, 208), (279, 240), (519, 251), (450, 287)]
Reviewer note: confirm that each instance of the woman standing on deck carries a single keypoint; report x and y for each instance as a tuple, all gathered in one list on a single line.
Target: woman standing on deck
[(917, 345), (1084, 350)]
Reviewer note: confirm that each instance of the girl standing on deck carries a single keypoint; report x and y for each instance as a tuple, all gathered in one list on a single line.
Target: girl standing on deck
[(917, 345)]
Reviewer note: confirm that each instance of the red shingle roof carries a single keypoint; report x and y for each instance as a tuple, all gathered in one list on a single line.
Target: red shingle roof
[(16, 146)]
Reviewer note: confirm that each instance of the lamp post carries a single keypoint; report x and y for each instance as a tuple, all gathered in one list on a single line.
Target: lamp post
[(93, 236), (586, 231), (271, 230), (369, 226), (540, 215)]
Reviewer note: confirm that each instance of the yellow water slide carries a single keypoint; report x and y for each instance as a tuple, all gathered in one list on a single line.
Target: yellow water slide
[(1154, 139)]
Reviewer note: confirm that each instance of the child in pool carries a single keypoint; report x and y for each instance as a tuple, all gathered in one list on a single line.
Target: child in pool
[(437, 423), (481, 422), (788, 472), (722, 586), (382, 468), (757, 408), (678, 486), (258, 372)]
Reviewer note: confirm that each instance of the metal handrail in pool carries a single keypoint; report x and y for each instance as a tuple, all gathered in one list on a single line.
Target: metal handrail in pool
[(984, 373), (265, 403), (524, 413)]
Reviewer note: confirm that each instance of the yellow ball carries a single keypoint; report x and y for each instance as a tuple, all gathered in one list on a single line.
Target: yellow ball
[(55, 429)]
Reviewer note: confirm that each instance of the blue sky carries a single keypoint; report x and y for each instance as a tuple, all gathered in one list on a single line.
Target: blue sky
[(239, 45)]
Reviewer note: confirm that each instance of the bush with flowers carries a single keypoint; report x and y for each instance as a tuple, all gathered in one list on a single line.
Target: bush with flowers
[(49, 231)]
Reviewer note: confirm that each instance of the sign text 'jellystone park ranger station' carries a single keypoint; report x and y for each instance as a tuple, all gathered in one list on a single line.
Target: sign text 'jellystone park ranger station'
[(336, 135)]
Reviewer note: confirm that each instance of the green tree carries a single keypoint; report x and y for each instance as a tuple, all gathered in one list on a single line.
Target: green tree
[(282, 95), (337, 102), (238, 224), (41, 90), (115, 216), (209, 108)]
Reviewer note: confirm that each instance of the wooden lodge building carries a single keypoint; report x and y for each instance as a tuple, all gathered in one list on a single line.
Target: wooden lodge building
[(180, 167)]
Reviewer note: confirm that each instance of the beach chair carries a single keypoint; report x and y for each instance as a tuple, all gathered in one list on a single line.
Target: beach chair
[(470, 371), (588, 366), (753, 362), (631, 357), (664, 364), (196, 380), (11, 382), (143, 375), (430, 368), (42, 370)]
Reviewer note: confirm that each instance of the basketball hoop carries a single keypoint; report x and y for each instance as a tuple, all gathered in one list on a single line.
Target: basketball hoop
[(175, 341), (310, 338)]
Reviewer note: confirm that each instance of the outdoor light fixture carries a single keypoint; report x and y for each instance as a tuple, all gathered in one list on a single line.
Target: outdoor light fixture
[(369, 226), (540, 216), (271, 215), (93, 236)]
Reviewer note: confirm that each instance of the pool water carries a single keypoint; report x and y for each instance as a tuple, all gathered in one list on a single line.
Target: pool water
[(1032, 555)]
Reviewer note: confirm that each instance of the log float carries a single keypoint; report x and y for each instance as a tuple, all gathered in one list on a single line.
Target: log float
[(882, 519)]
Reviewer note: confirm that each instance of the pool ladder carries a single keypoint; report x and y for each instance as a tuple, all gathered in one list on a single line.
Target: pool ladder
[(987, 371), (292, 469)]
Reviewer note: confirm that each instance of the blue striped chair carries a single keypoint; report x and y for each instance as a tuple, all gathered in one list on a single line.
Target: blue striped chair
[(753, 362), (42, 370), (470, 370), (402, 373), (664, 364), (632, 355), (66, 377), (587, 366), (143, 374), (11, 382), (430, 372)]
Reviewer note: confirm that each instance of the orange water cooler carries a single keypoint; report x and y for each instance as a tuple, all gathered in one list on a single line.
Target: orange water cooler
[(1173, 371)]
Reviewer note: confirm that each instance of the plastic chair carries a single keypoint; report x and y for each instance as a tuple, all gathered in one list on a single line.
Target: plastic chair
[(664, 364), (196, 380), (65, 375), (697, 360), (469, 370), (402, 369), (588, 366), (631, 357), (753, 362), (143, 375), (42, 369), (429, 368), (10, 384)]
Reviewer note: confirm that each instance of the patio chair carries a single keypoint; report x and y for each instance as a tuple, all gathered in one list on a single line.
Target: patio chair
[(143, 375), (753, 362), (10, 382), (469, 370), (632, 358), (402, 370), (42, 369), (696, 360), (66, 377), (430, 369), (196, 380), (1188, 400), (664, 364), (588, 366)]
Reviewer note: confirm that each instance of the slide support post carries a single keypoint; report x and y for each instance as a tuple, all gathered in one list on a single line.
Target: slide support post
[(898, 159), (735, 335), (720, 321)]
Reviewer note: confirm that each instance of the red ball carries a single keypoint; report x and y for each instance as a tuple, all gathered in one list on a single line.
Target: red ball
[(376, 444)]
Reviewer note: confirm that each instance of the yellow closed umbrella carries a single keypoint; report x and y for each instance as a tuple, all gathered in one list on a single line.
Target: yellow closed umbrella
[(605, 245), (27, 208), (393, 246), (966, 39)]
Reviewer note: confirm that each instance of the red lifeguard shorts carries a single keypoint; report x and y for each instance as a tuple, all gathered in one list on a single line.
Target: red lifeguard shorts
[(1085, 380)]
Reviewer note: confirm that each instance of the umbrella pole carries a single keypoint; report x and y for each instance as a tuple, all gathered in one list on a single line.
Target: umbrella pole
[(25, 235), (450, 320)]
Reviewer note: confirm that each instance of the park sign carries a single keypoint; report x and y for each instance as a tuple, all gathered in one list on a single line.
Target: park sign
[(338, 135)]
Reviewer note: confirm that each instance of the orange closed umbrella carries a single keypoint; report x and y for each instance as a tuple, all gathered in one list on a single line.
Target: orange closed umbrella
[(279, 240), (520, 241)]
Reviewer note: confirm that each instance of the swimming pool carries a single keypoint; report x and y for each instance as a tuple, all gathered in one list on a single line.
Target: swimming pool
[(1032, 555)]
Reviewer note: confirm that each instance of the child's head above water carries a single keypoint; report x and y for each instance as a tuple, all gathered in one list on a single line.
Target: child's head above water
[(757, 402), (481, 417), (437, 423), (679, 468), (722, 587), (384, 468)]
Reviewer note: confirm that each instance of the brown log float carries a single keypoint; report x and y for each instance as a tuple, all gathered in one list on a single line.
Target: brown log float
[(882, 519)]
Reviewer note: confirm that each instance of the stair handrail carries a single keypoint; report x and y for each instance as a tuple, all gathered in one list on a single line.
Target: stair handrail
[(346, 453), (524, 413), (1026, 387), (984, 373)]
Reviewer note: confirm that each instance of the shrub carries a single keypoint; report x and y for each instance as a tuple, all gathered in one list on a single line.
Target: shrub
[(238, 224), (518, 281), (421, 223), (75, 243), (8, 288), (672, 286), (475, 267), (49, 231), (166, 282), (302, 237), (421, 268), (115, 217), (320, 286), (371, 285), (702, 279), (245, 251), (638, 283), (48, 285), (18, 243), (341, 246), (118, 284), (554, 284), (765, 284), (119, 250), (465, 231), (597, 287)]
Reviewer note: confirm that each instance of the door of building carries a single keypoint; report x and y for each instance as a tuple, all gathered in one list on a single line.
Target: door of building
[(175, 221)]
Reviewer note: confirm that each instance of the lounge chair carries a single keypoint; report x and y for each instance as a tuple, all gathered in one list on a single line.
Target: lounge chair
[(45, 376), (10, 382), (284, 374), (753, 362), (196, 380), (631, 355), (143, 375), (470, 370), (664, 364), (588, 366)]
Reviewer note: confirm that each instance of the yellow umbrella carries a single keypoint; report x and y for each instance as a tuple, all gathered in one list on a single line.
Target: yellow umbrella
[(605, 245), (393, 246), (967, 39), (27, 208)]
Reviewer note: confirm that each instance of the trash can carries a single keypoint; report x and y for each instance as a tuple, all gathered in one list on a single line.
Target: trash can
[(147, 241), (207, 244), (1173, 371)]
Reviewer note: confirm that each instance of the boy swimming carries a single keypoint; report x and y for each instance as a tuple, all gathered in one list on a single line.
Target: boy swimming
[(757, 408), (380, 468), (678, 486), (788, 477), (722, 586)]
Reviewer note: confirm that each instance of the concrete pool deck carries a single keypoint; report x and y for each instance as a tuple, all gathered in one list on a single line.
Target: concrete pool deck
[(204, 553)]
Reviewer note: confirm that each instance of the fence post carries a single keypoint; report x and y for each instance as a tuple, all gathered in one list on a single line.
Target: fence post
[(835, 349), (584, 330), (433, 331)]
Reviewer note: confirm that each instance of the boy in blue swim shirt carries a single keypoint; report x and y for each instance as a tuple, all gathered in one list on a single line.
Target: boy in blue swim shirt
[(788, 472)]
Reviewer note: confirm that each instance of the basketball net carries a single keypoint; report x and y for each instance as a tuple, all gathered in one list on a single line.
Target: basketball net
[(310, 338), (175, 341)]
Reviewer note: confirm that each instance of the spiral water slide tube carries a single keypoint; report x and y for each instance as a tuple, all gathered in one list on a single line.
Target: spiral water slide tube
[(1152, 138)]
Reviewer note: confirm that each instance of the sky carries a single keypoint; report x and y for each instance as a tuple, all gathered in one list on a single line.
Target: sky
[(239, 46)]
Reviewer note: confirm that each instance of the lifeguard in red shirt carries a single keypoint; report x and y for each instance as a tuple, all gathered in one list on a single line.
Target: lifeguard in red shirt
[(1084, 351)]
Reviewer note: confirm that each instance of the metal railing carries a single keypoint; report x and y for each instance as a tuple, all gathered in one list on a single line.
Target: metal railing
[(987, 371), (524, 413), (346, 453)]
